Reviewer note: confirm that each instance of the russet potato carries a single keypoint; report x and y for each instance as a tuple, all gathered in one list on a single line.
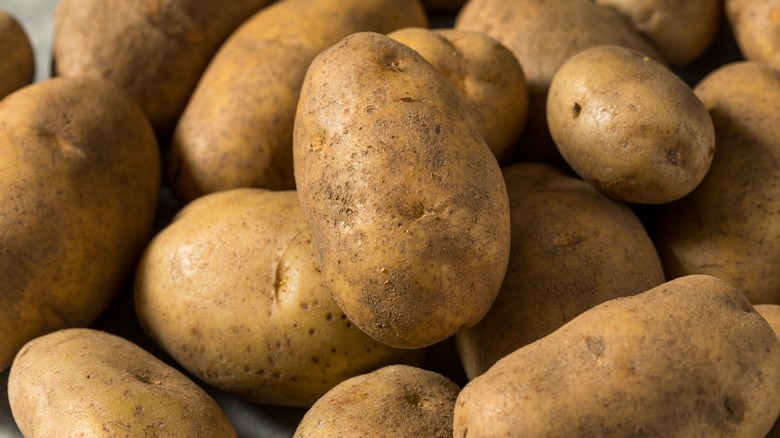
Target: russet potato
[(17, 65)]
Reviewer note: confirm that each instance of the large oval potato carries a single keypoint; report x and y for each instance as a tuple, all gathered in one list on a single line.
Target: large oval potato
[(729, 226), (571, 249), (689, 358), (79, 178), (84, 382), (629, 126), (155, 50), (238, 269), (17, 65), (406, 204), (237, 129), (756, 27)]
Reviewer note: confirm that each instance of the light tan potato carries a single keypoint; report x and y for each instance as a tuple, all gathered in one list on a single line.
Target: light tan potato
[(729, 226), (84, 382), (398, 401), (487, 76), (405, 202), (238, 269), (543, 34), (681, 30), (689, 358), (17, 65), (756, 27), (237, 129), (571, 249), (155, 50), (79, 178), (771, 313), (629, 126)]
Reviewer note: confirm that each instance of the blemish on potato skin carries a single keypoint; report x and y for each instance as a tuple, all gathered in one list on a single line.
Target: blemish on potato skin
[(576, 109)]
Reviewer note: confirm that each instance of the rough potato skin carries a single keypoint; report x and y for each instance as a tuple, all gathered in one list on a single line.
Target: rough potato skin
[(406, 204), (729, 226), (79, 184), (237, 129), (689, 358), (397, 400), (756, 27), (232, 290), (155, 50), (572, 248), (84, 382), (629, 126), (17, 66)]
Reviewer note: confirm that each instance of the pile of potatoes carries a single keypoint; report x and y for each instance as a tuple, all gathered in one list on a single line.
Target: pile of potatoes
[(524, 224)]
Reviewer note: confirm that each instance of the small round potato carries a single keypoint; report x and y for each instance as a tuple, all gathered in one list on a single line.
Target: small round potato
[(17, 65)]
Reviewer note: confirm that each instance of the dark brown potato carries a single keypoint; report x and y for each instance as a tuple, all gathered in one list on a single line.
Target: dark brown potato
[(17, 65)]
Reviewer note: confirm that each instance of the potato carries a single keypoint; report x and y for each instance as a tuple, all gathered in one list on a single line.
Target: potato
[(629, 126), (680, 30), (406, 204), (729, 226), (237, 129), (689, 358), (17, 66), (487, 76), (756, 27), (79, 178), (84, 382), (154, 49), (231, 290), (571, 249), (543, 34), (771, 312), (398, 401)]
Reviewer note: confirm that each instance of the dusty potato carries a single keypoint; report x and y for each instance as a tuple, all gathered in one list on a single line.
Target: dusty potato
[(543, 34), (629, 126), (689, 358), (79, 178), (237, 129), (487, 76), (398, 401), (17, 65), (729, 226), (231, 290), (756, 26), (84, 382), (406, 204), (680, 30), (154, 49), (571, 249)]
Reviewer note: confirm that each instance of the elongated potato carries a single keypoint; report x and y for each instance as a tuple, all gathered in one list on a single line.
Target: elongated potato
[(237, 129), (79, 178), (406, 204), (155, 50), (17, 65)]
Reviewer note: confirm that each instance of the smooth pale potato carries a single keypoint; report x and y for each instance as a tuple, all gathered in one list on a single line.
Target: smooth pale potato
[(756, 27), (572, 248), (17, 65), (79, 178), (155, 50), (771, 313), (405, 202), (231, 289), (543, 34), (689, 358), (84, 382), (487, 76), (398, 400), (729, 226), (629, 126), (237, 129), (681, 30)]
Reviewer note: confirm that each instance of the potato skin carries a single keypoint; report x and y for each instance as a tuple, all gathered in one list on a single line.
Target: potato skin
[(629, 126), (231, 289), (771, 313), (155, 50), (756, 27), (729, 226), (17, 66), (84, 382), (79, 193), (237, 129), (572, 248), (397, 400), (406, 204), (688, 358)]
